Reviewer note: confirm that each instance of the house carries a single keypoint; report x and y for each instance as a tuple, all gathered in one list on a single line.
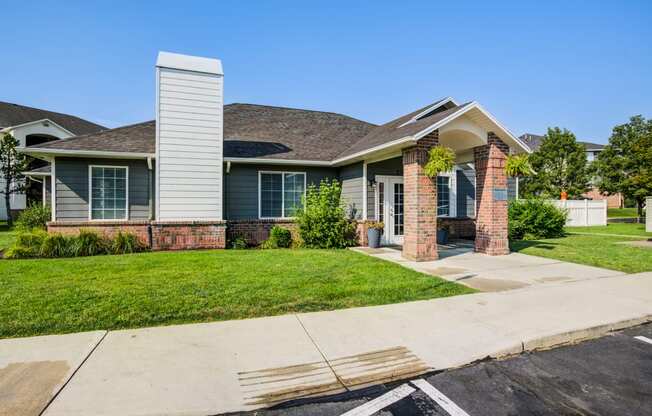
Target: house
[(592, 151), (203, 170), (32, 126)]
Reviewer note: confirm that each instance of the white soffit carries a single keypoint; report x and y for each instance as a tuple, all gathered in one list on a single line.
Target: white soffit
[(189, 63)]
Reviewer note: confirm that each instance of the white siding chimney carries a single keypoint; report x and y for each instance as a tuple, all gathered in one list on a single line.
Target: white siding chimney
[(189, 124)]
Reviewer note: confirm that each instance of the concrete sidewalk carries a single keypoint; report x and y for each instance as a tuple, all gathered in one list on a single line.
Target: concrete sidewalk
[(213, 368)]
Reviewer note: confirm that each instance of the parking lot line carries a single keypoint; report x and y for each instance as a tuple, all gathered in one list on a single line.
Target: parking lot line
[(381, 402), (644, 339), (447, 404)]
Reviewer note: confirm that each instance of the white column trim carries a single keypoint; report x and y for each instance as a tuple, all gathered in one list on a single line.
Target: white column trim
[(53, 186)]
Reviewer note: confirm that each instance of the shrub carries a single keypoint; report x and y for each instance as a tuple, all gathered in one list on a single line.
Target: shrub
[(34, 217), (535, 218), (125, 243), (279, 237), (58, 245), (238, 242), (322, 221), (27, 245), (90, 243)]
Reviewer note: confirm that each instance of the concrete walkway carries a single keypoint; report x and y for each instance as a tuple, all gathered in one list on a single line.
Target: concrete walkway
[(211, 368), (459, 263)]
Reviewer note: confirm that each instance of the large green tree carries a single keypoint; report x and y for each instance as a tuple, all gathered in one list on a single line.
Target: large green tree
[(560, 166), (12, 164), (625, 164)]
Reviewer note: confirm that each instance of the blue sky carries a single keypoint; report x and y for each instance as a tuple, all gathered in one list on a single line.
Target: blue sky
[(585, 66)]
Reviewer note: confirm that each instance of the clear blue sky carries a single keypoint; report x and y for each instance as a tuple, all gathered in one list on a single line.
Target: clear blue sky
[(583, 65)]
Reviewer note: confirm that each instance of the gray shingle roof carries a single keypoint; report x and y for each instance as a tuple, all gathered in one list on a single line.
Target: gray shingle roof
[(395, 129), (15, 114), (534, 141)]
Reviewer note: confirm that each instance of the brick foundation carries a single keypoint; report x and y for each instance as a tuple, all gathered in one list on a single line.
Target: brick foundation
[(491, 217), (459, 228), (420, 202), (257, 231), (184, 235), (181, 235)]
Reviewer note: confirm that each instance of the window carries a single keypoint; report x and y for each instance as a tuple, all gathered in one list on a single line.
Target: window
[(280, 193), (443, 196), (108, 192), (381, 202)]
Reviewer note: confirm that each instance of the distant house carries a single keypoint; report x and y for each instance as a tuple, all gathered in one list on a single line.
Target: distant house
[(33, 126), (592, 151)]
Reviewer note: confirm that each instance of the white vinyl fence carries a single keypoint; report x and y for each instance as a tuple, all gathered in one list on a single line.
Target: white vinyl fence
[(648, 214), (583, 213)]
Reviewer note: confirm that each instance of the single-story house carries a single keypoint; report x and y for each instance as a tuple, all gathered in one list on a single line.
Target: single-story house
[(202, 169), (30, 126)]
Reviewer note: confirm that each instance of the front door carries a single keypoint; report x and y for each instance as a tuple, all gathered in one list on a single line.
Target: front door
[(390, 208)]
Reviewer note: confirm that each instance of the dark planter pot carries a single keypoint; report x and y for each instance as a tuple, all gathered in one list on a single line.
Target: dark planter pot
[(373, 237), (442, 236)]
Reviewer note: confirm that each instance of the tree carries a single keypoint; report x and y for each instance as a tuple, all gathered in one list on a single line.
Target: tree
[(12, 164), (625, 164), (560, 166)]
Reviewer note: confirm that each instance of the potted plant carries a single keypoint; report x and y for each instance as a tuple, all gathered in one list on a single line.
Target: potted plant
[(442, 234), (374, 231)]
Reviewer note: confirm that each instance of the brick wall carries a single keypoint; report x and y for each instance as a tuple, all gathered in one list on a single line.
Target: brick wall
[(106, 228), (463, 228), (491, 216), (257, 231), (420, 202), (613, 201), (185, 235)]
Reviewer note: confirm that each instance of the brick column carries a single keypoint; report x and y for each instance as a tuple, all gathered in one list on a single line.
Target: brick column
[(420, 202), (491, 212)]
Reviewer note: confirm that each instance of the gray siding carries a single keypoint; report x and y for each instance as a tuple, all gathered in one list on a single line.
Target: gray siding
[(48, 190), (390, 167), (241, 186), (466, 193), (72, 187), (351, 179)]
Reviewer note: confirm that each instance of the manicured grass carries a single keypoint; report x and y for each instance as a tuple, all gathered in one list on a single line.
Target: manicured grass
[(600, 251), (7, 236), (109, 292), (616, 228), (622, 212)]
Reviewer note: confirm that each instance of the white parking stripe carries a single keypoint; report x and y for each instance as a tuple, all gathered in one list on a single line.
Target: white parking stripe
[(446, 403), (381, 402), (644, 339)]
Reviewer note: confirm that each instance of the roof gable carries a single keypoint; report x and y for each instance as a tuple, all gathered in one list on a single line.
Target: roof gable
[(15, 114)]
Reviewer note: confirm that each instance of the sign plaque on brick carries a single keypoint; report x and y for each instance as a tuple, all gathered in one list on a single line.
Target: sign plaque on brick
[(500, 194)]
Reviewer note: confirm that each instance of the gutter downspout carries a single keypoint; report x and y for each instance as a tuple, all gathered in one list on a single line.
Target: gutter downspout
[(150, 204)]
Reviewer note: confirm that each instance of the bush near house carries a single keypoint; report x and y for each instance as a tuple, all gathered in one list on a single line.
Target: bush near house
[(34, 217), (323, 222), (279, 237), (534, 219), (38, 243)]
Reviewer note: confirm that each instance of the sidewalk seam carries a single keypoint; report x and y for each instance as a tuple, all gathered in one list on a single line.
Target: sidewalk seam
[(53, 398), (321, 353)]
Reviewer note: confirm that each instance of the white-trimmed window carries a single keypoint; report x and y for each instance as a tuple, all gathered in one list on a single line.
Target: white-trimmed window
[(108, 190), (446, 194), (280, 193)]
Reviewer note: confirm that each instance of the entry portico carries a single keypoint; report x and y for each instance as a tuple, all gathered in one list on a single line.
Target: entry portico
[(408, 202)]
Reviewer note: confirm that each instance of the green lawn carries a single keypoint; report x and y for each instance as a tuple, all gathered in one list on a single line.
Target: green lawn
[(615, 228), (622, 212), (109, 292), (601, 251)]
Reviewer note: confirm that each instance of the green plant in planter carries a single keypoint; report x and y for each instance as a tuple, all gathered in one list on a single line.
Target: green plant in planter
[(518, 165), (376, 225), (440, 159)]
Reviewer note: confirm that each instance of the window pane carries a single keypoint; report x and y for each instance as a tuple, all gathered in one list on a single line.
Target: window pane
[(294, 188), (271, 189), (381, 201), (443, 195), (108, 193)]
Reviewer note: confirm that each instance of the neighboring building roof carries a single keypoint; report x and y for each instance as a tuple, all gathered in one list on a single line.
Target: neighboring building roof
[(260, 131), (534, 141), (15, 114), (135, 138)]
